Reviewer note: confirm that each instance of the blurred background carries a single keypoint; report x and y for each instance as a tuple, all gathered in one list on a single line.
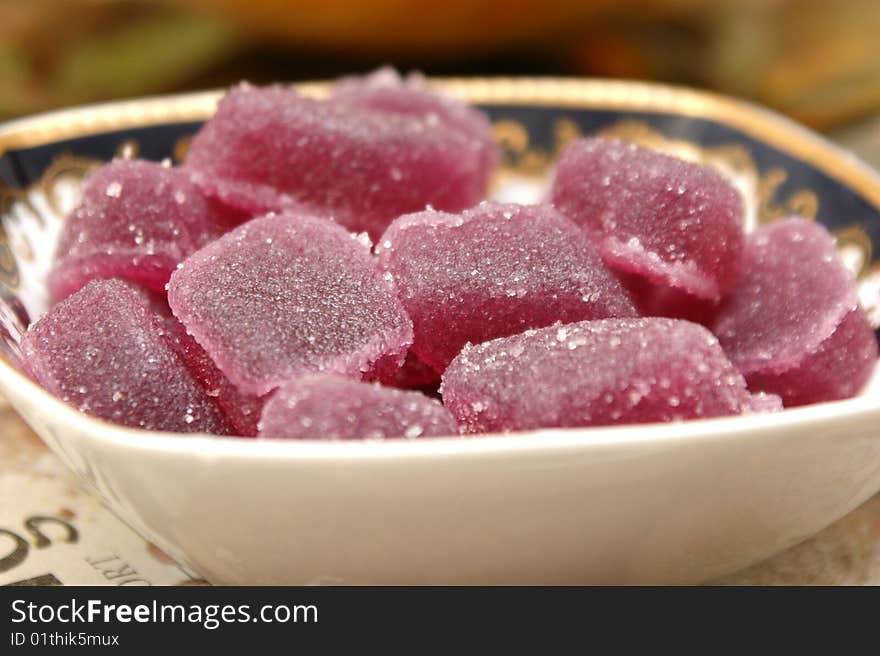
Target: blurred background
[(815, 60)]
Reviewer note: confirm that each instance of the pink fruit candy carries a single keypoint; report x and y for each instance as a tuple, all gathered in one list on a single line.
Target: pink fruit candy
[(792, 325), (104, 351), (288, 294), (137, 220), (322, 407), (241, 410), (270, 148), (612, 371), (494, 270), (675, 223)]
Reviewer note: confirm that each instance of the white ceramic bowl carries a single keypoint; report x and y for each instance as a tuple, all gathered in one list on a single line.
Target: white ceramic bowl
[(665, 503)]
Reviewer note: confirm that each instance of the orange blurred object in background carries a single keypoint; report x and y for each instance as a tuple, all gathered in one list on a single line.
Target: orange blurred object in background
[(430, 29), (815, 60)]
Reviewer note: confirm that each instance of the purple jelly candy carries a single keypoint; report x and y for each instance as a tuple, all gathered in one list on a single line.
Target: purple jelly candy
[(270, 148), (494, 270), (104, 351), (287, 294), (662, 301), (242, 410), (322, 407), (793, 325), (137, 220), (386, 91), (413, 374), (591, 373), (675, 223)]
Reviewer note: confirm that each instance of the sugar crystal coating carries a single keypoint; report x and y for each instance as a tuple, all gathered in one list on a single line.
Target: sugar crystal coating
[(104, 351), (675, 223), (287, 294), (494, 270), (793, 324), (764, 402), (385, 90), (594, 373), (240, 409), (270, 148), (322, 407), (136, 220)]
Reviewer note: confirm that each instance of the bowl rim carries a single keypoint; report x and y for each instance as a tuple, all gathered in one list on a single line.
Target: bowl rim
[(758, 122), (571, 93), (557, 440)]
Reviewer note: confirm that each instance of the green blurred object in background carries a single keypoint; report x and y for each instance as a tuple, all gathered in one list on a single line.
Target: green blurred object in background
[(55, 53), (815, 60)]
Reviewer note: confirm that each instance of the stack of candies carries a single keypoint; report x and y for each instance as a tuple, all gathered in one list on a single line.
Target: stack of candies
[(330, 269)]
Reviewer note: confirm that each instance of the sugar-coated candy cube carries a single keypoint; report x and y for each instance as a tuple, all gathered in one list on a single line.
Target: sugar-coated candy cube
[(241, 410), (676, 223), (323, 407), (494, 270), (136, 220), (793, 325), (385, 90), (287, 294), (270, 148), (104, 351), (590, 373)]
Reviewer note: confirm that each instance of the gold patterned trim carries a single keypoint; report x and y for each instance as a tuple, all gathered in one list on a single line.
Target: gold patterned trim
[(751, 120)]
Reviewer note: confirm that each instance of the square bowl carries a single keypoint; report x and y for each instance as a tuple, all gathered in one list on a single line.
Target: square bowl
[(656, 503)]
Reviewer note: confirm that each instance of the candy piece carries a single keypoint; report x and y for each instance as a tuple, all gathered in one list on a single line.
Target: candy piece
[(386, 91), (241, 410), (763, 402), (414, 374), (137, 220), (103, 351), (612, 371), (676, 223), (661, 301), (792, 325), (322, 407), (283, 295), (269, 148), (494, 270)]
